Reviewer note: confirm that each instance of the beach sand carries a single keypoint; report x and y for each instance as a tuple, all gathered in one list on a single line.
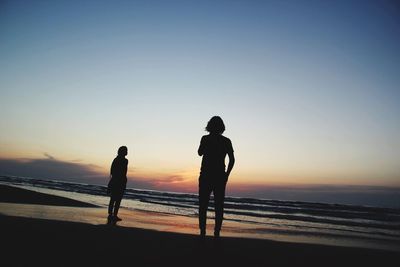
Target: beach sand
[(28, 240), (10, 194)]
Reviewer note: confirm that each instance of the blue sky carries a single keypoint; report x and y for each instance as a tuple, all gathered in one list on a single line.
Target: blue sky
[(308, 89)]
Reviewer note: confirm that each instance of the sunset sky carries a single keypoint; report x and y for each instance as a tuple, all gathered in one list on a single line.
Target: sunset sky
[(309, 90)]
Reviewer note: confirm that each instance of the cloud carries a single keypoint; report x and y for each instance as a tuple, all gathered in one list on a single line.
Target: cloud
[(48, 156), (169, 179), (175, 182), (52, 168)]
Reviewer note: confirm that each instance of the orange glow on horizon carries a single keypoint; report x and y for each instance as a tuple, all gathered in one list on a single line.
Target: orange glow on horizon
[(185, 179)]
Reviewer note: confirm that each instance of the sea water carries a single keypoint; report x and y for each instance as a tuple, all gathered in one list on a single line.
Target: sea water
[(291, 218)]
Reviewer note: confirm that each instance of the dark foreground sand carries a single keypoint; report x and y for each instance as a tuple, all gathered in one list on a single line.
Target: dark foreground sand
[(12, 194), (36, 242)]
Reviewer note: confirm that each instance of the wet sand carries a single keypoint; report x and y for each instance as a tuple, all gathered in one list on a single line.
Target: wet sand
[(10, 194), (42, 242)]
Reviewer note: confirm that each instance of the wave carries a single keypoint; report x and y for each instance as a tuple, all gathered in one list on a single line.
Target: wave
[(304, 215)]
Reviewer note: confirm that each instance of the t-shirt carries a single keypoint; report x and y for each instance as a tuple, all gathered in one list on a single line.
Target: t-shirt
[(214, 148), (119, 168)]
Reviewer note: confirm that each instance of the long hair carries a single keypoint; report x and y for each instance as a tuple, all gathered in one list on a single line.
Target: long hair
[(215, 125)]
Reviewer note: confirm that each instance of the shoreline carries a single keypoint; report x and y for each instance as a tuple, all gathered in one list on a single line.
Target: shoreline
[(14, 194), (48, 232)]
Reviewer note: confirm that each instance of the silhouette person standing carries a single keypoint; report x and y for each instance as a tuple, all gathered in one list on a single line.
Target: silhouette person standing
[(117, 183), (213, 178)]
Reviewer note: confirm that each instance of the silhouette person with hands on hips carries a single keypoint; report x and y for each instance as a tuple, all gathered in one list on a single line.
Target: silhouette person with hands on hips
[(213, 178)]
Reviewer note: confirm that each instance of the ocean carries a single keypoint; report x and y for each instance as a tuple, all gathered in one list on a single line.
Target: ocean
[(372, 226)]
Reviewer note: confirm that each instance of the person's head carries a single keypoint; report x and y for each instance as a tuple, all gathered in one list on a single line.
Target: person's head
[(122, 151), (215, 125)]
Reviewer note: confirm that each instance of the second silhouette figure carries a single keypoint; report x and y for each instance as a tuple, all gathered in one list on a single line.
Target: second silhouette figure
[(117, 183)]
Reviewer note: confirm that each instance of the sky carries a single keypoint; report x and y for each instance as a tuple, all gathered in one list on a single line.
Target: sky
[(308, 90)]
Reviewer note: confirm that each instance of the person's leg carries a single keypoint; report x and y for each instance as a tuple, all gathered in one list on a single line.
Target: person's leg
[(219, 197), (204, 198), (118, 199), (116, 208), (111, 206)]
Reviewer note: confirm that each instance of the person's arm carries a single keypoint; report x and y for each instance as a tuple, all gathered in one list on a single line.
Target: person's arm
[(126, 167), (109, 181), (230, 164), (112, 168), (200, 151), (231, 159)]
